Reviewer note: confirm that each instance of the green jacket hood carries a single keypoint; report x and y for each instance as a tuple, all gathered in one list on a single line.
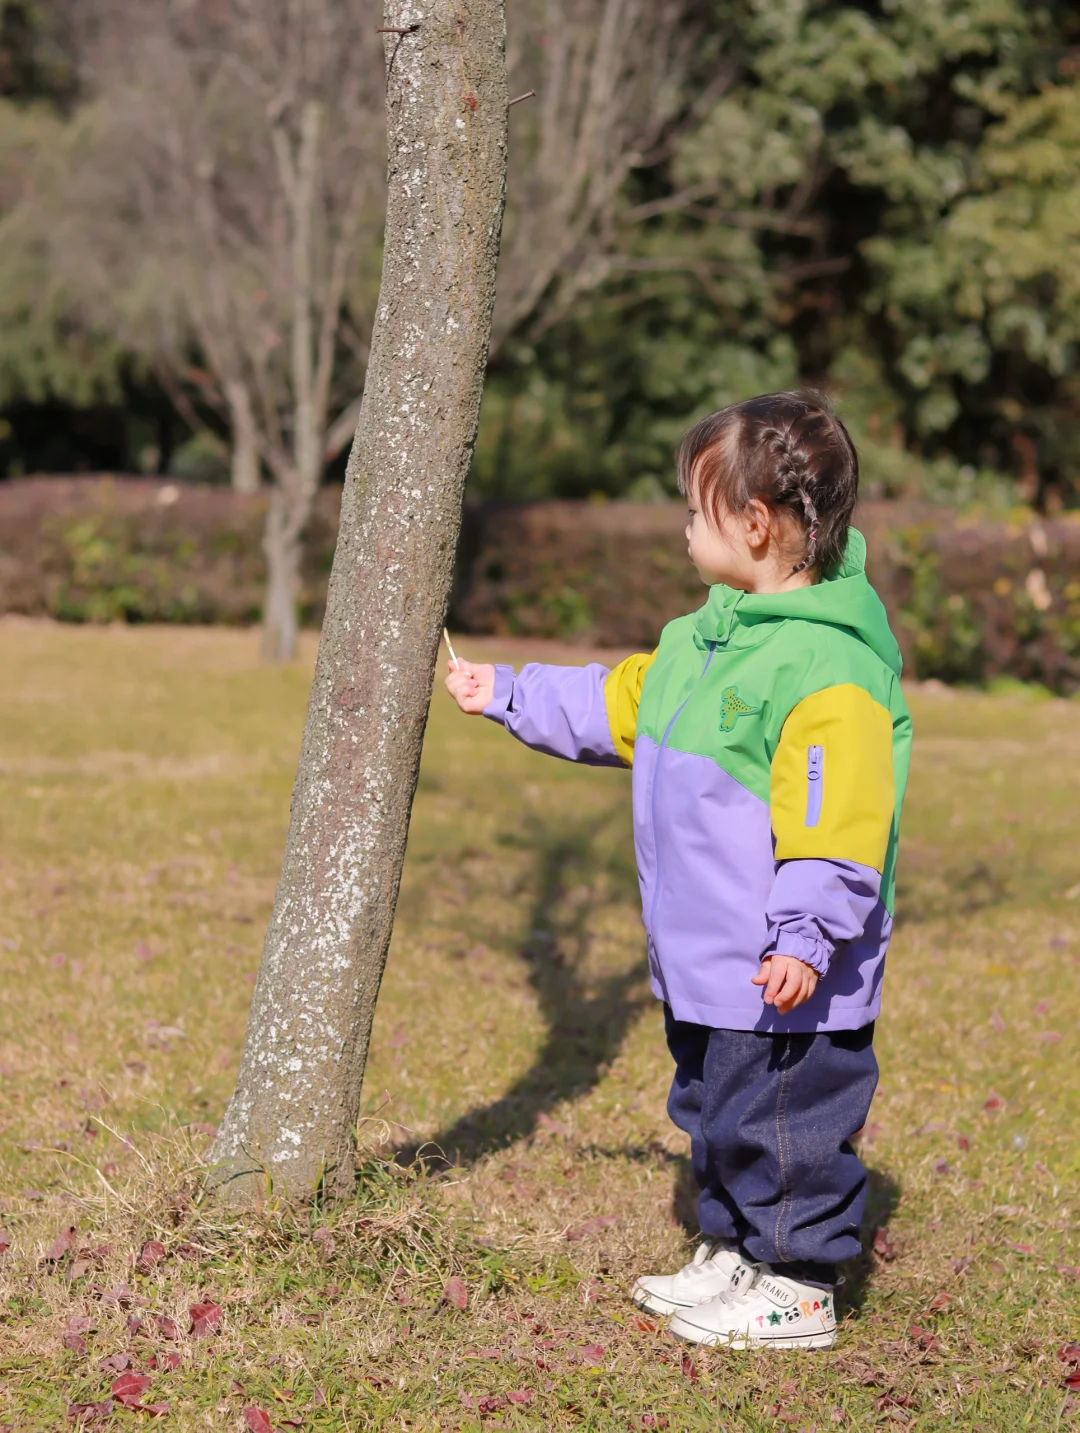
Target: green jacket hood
[(845, 599)]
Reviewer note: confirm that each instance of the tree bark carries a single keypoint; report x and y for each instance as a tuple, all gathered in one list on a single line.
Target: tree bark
[(282, 550), (291, 1123), (245, 443)]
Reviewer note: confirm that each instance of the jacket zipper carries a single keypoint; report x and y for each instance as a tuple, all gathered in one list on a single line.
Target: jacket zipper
[(656, 783), (815, 760)]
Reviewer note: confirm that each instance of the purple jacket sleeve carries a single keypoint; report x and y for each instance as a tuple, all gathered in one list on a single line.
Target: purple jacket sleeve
[(557, 710), (841, 895)]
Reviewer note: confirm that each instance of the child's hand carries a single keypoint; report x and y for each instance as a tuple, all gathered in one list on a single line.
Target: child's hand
[(472, 685), (787, 981)]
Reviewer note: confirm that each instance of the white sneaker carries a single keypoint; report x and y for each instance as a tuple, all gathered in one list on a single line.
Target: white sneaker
[(707, 1276), (763, 1310)]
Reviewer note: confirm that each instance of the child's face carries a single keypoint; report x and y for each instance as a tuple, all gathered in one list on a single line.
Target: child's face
[(720, 554)]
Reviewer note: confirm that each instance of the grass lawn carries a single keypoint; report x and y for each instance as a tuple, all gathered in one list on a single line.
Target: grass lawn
[(144, 787)]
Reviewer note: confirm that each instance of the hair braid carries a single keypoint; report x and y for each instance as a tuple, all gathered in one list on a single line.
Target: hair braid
[(788, 450)]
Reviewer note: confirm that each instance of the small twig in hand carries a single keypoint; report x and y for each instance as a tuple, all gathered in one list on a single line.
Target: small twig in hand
[(528, 95), (396, 29), (450, 648)]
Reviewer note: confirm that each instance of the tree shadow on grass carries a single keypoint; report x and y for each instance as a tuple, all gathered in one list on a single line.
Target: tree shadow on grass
[(587, 1018)]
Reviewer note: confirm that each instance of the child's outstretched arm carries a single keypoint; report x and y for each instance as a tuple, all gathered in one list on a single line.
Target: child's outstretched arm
[(586, 714), (833, 805)]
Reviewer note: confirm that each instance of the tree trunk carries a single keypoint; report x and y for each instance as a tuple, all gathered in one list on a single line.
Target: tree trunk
[(291, 1122), (282, 550), (245, 448)]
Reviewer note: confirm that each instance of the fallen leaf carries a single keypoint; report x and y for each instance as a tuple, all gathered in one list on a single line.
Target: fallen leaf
[(75, 1342), (837, 1416), (151, 1253), (84, 1413), (593, 1353), (940, 1166), (591, 1226), (115, 1363), (5, 1241), (1072, 1380), (646, 1325), (1048, 1037), (60, 1245), (134, 1324), (883, 1244), (940, 1301), (689, 1368), (77, 1323), (257, 1420), (522, 1395), (1069, 1353), (456, 1293), (163, 1360), (894, 1400), (962, 1142), (924, 1338), (167, 1327), (204, 1319), (129, 1388), (325, 1240), (992, 1102)]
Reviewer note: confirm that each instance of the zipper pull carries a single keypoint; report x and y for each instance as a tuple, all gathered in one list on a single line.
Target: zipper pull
[(815, 762)]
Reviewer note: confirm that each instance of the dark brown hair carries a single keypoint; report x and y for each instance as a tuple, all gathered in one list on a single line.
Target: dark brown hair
[(787, 450)]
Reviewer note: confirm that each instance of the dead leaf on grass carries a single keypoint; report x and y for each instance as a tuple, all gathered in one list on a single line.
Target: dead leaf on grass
[(590, 1227), (456, 1293), (84, 1413), (60, 1245), (204, 1319), (150, 1255), (941, 1300), (256, 1420), (883, 1244)]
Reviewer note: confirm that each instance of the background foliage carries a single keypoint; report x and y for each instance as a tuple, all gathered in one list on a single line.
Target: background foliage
[(883, 198)]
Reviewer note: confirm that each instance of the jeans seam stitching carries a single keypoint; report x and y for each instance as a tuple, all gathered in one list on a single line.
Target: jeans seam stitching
[(786, 1198)]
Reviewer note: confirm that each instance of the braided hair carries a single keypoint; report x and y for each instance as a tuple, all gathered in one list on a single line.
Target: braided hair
[(787, 450)]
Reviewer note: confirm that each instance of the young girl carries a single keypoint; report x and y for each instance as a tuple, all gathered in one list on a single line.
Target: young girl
[(769, 742)]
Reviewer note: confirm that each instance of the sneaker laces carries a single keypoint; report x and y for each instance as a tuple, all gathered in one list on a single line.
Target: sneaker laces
[(702, 1255)]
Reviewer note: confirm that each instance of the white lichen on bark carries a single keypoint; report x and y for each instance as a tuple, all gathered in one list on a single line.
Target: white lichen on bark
[(291, 1121)]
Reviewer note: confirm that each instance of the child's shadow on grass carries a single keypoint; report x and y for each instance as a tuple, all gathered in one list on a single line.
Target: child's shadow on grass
[(857, 1274), (587, 1019)]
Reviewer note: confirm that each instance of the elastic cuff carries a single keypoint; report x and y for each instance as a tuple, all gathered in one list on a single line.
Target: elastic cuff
[(499, 705), (815, 952)]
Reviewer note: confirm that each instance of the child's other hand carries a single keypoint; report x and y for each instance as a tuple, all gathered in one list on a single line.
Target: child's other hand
[(787, 981), (471, 684)]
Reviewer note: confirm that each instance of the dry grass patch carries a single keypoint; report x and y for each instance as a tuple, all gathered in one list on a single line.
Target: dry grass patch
[(517, 1165)]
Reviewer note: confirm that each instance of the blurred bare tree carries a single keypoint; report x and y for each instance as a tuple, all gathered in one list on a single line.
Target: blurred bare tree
[(611, 84), (219, 198)]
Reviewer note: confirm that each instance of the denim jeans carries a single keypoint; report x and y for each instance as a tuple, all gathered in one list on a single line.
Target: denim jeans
[(770, 1120)]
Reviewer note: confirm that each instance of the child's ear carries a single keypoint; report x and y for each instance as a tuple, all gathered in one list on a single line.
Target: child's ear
[(757, 523)]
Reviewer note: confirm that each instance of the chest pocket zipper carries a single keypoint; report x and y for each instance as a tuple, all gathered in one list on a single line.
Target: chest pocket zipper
[(815, 760)]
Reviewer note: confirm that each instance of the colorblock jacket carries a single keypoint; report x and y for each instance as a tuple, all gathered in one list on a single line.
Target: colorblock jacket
[(769, 741)]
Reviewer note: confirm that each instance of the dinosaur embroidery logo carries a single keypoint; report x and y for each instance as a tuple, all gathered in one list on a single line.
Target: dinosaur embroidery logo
[(732, 707)]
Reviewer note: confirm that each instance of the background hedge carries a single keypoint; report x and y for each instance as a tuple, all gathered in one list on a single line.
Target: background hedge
[(970, 599)]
